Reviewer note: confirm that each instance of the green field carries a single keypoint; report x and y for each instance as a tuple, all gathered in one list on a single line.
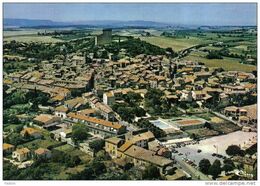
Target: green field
[(177, 44), (225, 63), (32, 38), (39, 143), (74, 152)]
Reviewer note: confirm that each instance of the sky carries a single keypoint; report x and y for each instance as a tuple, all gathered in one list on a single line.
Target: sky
[(176, 13)]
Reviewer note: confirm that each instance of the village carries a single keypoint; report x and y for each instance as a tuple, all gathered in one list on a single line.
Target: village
[(135, 112)]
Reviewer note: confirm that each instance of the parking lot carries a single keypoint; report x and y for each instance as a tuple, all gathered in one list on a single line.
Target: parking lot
[(212, 145)]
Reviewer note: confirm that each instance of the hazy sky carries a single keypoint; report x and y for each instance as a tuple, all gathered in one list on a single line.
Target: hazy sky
[(178, 13)]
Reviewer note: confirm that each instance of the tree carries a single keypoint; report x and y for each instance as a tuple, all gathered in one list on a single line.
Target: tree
[(98, 167), (97, 145), (227, 168), (233, 150), (15, 139), (18, 128), (208, 125), (215, 169), (139, 112), (255, 174), (132, 98), (155, 102), (228, 165), (102, 155), (214, 55), (151, 173), (86, 174), (79, 133), (72, 161), (204, 165)]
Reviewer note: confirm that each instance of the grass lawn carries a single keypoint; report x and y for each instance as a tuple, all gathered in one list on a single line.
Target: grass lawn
[(37, 143), (33, 38), (8, 127), (74, 152), (177, 44), (56, 172), (226, 63)]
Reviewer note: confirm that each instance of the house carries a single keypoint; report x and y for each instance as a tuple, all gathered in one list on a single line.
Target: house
[(245, 115), (112, 145), (8, 148), (21, 154), (249, 164), (109, 98), (139, 138), (65, 133), (178, 174), (46, 120), (87, 112), (75, 104), (186, 96), (61, 111), (105, 110), (141, 157), (85, 147), (116, 146), (165, 152), (42, 153), (97, 126), (251, 113), (32, 132)]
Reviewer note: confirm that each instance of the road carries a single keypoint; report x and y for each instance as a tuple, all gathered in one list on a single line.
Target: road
[(195, 174)]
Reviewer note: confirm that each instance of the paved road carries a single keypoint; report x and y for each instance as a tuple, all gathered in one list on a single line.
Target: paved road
[(195, 174)]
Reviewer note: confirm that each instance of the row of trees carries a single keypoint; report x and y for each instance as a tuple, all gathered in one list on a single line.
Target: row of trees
[(215, 169)]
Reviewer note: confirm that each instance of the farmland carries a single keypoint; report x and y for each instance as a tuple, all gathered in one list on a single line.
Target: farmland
[(177, 44), (32, 38), (226, 63)]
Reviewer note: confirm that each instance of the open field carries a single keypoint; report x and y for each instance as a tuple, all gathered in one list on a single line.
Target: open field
[(22, 32), (177, 44), (225, 63), (32, 38), (74, 152), (35, 144)]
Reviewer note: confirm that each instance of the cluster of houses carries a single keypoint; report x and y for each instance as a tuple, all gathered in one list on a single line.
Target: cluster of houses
[(244, 115), (141, 149), (98, 84), (22, 154)]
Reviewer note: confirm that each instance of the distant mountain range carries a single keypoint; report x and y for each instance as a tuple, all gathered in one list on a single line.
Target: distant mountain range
[(48, 23), (34, 23)]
